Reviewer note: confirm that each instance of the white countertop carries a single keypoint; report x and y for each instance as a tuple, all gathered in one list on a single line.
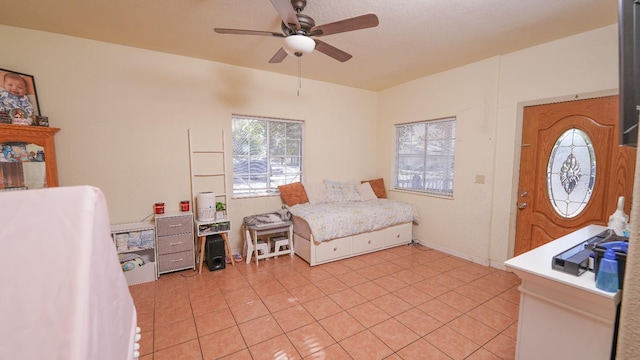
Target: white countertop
[(537, 262)]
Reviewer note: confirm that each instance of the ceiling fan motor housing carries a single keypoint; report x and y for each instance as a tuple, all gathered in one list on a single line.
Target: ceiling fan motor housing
[(306, 23)]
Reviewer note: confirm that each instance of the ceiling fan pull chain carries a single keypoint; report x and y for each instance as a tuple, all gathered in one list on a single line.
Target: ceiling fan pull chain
[(299, 74)]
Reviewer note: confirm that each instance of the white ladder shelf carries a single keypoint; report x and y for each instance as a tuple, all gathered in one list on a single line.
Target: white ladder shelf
[(207, 163)]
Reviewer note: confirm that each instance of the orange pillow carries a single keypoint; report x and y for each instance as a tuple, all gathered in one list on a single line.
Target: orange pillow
[(293, 194), (378, 187)]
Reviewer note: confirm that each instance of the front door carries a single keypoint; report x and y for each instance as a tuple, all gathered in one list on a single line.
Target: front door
[(572, 169)]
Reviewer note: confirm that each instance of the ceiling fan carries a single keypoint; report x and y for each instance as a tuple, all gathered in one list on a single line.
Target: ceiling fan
[(298, 28)]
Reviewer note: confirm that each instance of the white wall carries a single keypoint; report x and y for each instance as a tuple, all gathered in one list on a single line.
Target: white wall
[(487, 99), (124, 115), (461, 225), (584, 65)]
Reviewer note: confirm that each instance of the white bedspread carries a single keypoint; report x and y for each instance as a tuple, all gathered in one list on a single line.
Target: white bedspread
[(339, 219)]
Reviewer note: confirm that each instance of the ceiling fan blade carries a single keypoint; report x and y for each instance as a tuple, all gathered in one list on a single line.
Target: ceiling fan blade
[(354, 23), (278, 57), (247, 32), (287, 13), (334, 52)]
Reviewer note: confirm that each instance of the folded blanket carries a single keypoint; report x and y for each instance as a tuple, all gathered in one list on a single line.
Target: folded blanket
[(268, 218)]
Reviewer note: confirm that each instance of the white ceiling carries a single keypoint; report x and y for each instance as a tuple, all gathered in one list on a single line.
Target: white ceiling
[(415, 38)]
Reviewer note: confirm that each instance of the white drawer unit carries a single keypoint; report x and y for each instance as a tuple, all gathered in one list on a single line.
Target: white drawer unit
[(175, 241)]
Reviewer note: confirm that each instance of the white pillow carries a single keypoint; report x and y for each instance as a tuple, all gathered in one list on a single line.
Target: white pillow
[(316, 193), (365, 191), (341, 191)]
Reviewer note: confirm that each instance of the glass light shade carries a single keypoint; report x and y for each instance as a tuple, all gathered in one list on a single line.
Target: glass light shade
[(298, 45)]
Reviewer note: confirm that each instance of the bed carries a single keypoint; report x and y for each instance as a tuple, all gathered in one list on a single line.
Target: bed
[(334, 220)]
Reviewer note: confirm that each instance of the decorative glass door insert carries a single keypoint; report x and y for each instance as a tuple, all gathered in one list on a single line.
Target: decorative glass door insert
[(571, 173)]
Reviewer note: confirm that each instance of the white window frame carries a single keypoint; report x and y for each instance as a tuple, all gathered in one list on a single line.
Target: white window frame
[(425, 157), (251, 175)]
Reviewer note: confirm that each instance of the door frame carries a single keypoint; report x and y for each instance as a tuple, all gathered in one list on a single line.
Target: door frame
[(513, 211)]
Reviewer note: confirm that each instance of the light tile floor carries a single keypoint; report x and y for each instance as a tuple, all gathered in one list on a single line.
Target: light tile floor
[(409, 302)]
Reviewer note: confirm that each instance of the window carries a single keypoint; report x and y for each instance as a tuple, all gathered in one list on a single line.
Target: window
[(266, 153), (424, 156)]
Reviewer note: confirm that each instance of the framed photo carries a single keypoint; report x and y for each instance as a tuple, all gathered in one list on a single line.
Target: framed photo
[(18, 98)]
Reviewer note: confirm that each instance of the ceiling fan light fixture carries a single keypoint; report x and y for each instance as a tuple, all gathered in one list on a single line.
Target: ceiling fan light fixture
[(298, 45)]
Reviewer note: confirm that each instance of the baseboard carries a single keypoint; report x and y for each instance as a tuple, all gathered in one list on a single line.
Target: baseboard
[(458, 254), (498, 265), (483, 262)]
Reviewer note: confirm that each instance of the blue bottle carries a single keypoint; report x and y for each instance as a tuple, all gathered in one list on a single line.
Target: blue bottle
[(607, 277)]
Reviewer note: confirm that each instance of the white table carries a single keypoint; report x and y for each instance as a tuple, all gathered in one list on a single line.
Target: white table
[(562, 316), (203, 229), (253, 232)]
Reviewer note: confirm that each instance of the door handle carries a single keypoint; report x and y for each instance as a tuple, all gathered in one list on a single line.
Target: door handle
[(522, 206)]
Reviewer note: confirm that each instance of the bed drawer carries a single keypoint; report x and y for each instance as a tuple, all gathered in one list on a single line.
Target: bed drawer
[(397, 234), (368, 241), (393, 235), (333, 249)]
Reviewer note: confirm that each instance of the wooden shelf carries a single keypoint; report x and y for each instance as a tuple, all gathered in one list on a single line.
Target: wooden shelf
[(38, 135)]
